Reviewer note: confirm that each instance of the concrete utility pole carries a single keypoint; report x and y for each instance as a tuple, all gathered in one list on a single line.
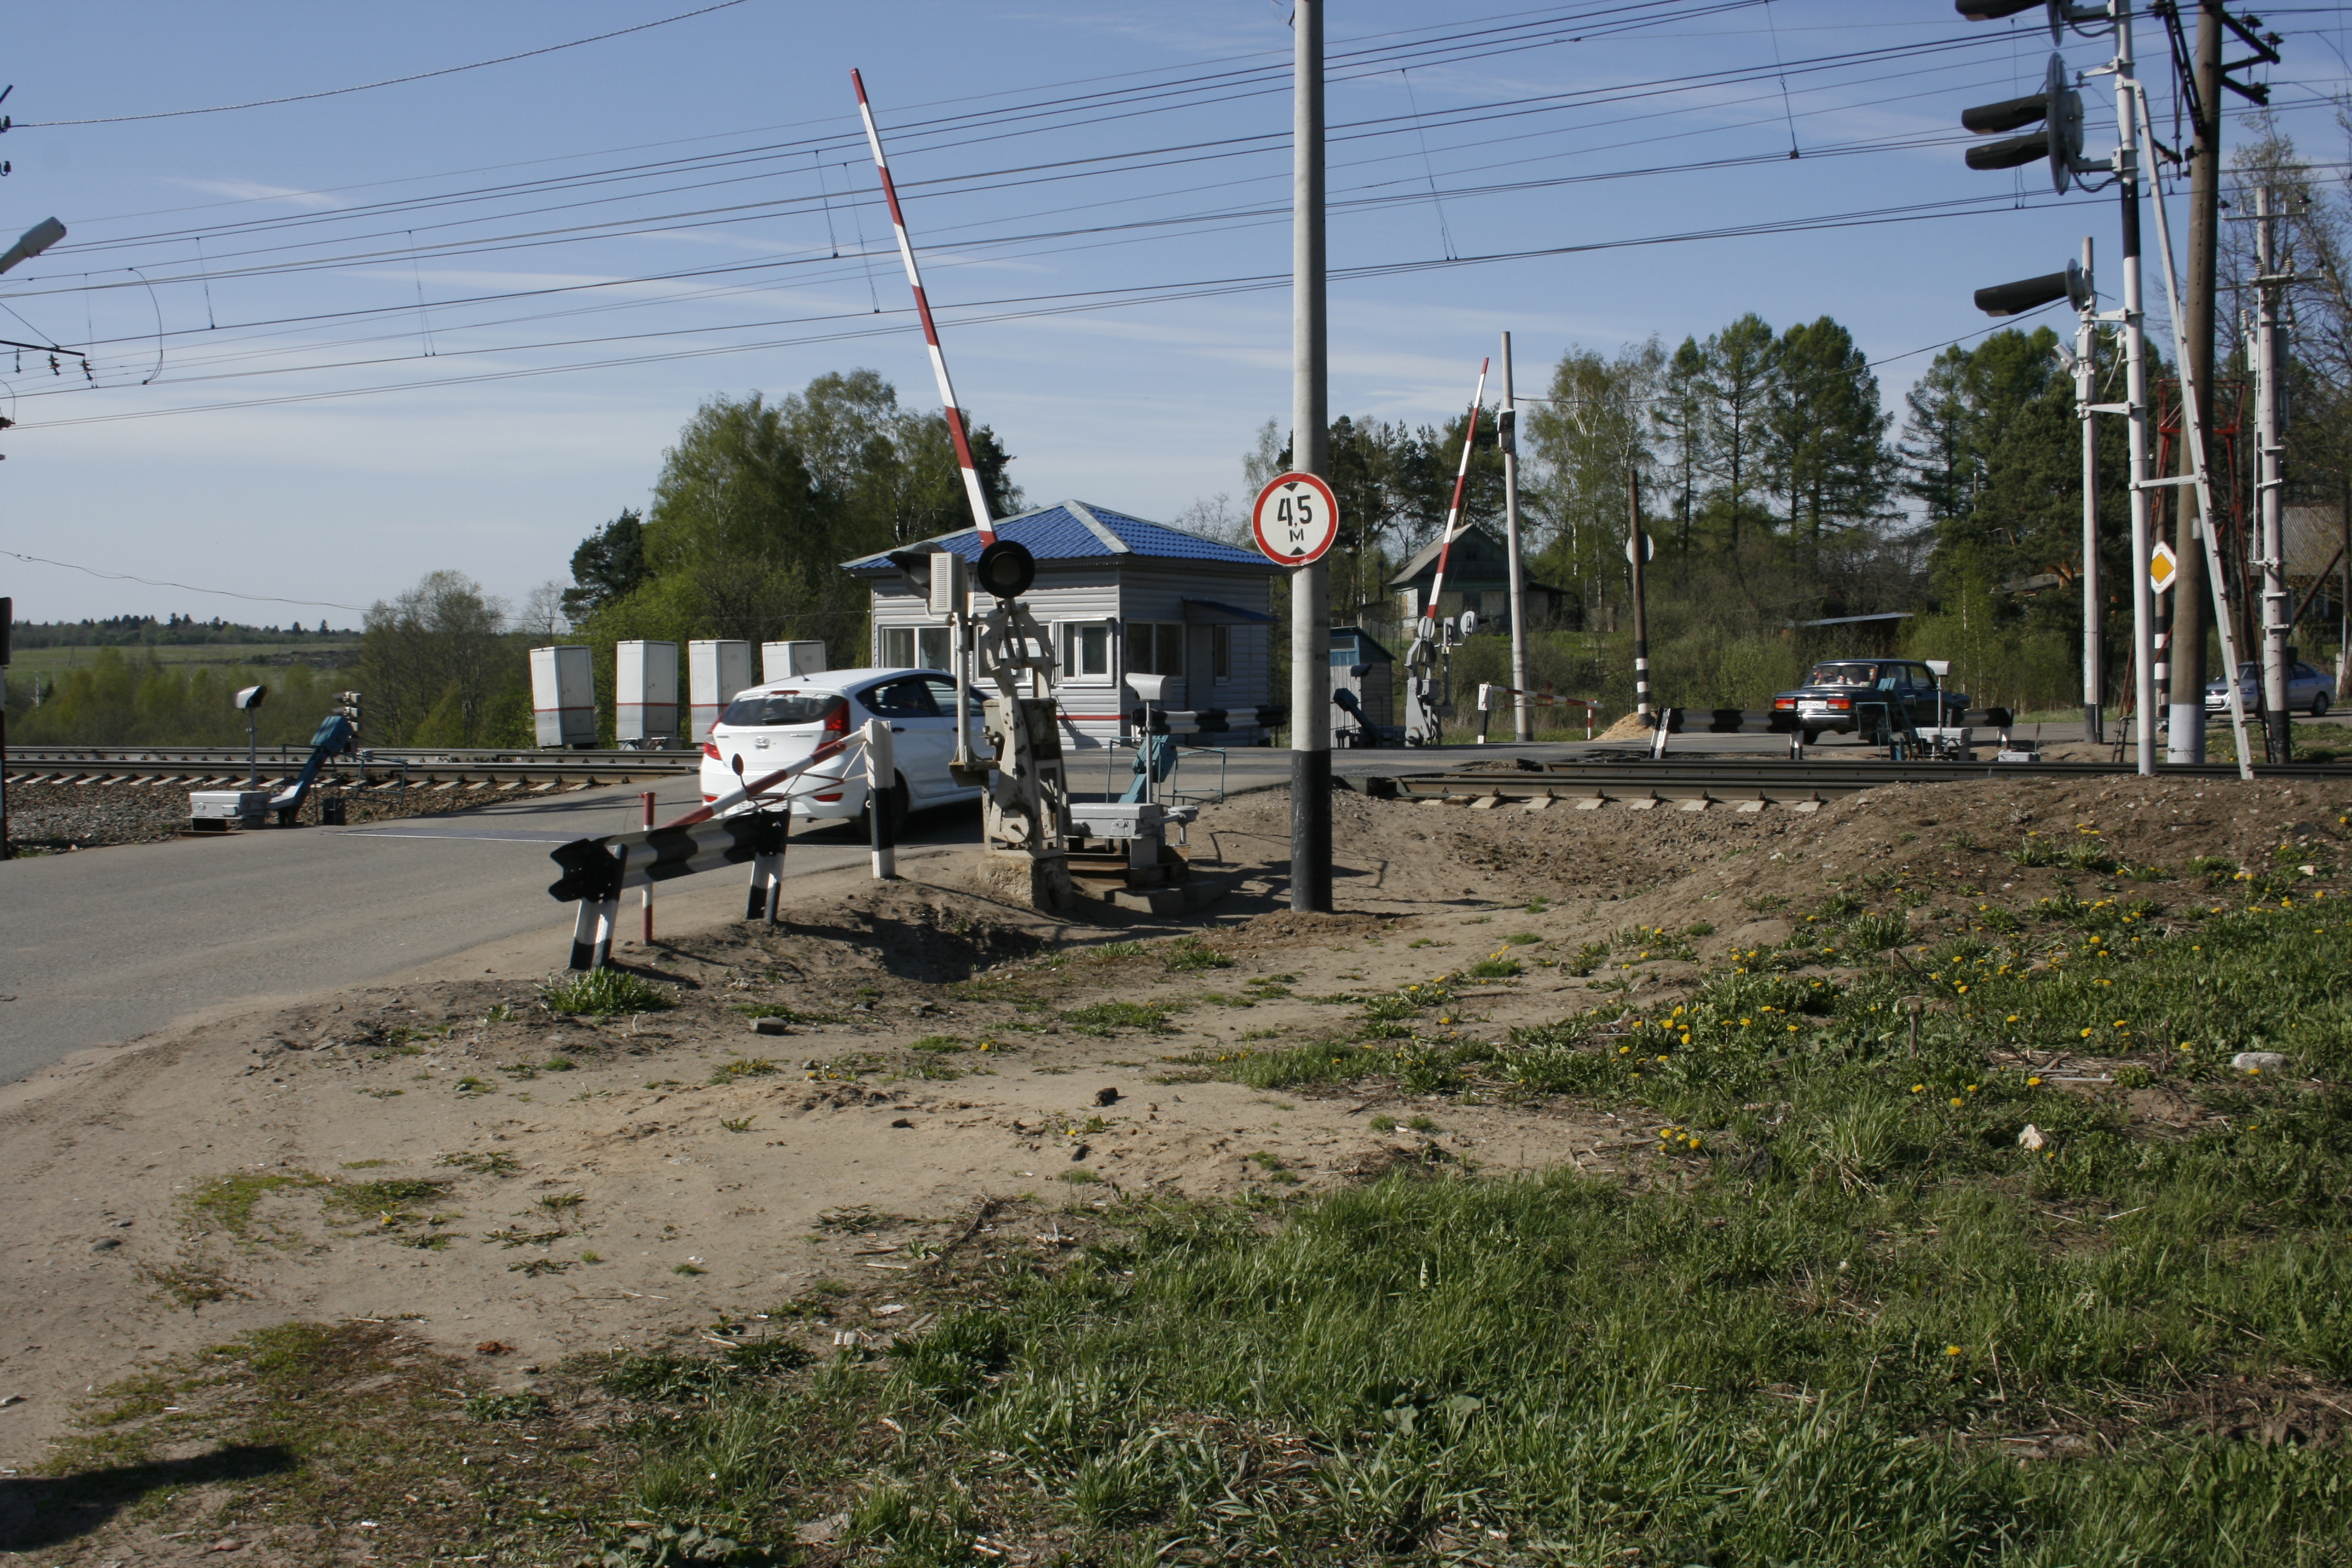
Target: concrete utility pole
[(2136, 394), (2269, 365), (2086, 390), (1310, 440), (2187, 742), (1508, 433), (1637, 551)]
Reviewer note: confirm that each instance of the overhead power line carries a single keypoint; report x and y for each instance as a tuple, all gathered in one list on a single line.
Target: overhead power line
[(187, 587), (981, 313), (388, 81)]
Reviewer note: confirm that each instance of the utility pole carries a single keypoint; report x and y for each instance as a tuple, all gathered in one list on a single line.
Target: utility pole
[(1507, 432), (2187, 742), (2136, 394), (1637, 550), (2269, 363), (1310, 440), (2086, 391)]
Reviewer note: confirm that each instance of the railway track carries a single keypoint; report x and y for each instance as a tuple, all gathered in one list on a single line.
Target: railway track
[(1754, 782), (224, 766)]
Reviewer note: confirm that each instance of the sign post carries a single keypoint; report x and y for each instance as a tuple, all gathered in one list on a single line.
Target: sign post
[(1295, 520)]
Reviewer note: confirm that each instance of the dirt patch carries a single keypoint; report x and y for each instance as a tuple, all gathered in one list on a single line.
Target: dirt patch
[(827, 1107)]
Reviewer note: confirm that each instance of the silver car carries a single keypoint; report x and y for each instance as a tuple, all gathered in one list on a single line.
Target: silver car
[(2309, 691)]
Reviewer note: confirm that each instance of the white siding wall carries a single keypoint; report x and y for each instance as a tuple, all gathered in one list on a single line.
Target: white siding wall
[(1156, 589)]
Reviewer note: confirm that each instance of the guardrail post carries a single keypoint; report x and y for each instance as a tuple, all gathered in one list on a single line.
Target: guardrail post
[(1486, 704), (774, 831), (881, 787), (591, 932), (647, 797)]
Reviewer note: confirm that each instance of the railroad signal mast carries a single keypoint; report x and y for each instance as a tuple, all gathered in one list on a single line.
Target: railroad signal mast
[(2058, 144)]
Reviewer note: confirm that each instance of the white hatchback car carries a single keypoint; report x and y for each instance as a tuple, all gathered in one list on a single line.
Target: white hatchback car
[(772, 726)]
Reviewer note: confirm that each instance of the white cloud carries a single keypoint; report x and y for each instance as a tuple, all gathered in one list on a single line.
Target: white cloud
[(250, 191)]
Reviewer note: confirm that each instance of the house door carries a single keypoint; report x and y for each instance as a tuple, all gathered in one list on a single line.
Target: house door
[(1200, 667)]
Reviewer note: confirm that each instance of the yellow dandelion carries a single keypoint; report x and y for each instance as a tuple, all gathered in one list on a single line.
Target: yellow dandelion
[(2033, 1083), (1958, 1102)]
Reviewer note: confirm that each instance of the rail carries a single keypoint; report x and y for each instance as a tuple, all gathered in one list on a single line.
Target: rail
[(194, 766), (1758, 781)]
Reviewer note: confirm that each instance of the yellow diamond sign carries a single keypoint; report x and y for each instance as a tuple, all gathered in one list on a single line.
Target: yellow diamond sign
[(2163, 566)]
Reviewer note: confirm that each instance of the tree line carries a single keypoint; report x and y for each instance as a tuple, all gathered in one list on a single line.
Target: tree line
[(1777, 487)]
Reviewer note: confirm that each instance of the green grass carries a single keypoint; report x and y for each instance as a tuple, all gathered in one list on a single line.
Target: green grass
[(604, 993), (1104, 1016), (1834, 1313), (1190, 954), (227, 1203)]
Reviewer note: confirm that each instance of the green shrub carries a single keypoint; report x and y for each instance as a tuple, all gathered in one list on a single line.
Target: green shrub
[(604, 992)]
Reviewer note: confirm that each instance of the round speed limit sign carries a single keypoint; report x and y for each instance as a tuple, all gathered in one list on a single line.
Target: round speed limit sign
[(1294, 520)]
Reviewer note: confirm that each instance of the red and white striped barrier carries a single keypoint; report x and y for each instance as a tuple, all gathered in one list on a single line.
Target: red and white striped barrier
[(1461, 483), (950, 408), (1487, 692)]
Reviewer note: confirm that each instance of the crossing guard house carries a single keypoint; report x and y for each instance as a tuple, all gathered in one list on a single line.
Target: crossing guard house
[(1121, 597)]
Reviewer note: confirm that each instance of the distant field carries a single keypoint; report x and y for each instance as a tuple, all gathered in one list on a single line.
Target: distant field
[(327, 652)]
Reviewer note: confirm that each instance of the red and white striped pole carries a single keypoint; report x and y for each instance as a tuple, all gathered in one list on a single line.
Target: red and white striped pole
[(972, 491), (1461, 483)]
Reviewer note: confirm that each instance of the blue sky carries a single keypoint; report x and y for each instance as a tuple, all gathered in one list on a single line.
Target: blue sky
[(339, 342)]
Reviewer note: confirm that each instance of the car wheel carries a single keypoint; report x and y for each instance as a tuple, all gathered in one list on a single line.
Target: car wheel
[(2318, 704), (1811, 736)]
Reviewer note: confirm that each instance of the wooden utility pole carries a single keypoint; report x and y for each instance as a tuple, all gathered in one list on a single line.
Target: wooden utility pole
[(2189, 613)]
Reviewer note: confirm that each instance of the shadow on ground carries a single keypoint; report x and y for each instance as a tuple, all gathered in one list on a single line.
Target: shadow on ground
[(50, 1510)]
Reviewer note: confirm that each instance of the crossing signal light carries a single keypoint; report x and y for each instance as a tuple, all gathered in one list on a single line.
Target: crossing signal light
[(2057, 108), (349, 707), (2032, 293)]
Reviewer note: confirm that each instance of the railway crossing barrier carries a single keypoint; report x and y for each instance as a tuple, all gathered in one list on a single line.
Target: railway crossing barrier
[(1487, 692), (597, 871)]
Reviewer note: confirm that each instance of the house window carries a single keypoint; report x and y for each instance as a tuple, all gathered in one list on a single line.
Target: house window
[(1086, 651), (918, 647), (1221, 652), (1155, 648)]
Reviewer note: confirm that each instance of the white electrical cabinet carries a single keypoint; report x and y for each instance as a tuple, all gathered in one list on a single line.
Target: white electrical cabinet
[(563, 696), (645, 692), (716, 670), (783, 661)]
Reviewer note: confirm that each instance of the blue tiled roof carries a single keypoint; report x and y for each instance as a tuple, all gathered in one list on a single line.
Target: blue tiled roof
[(1074, 530)]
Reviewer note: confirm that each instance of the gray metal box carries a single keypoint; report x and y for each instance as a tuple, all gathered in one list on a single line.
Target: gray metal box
[(228, 805)]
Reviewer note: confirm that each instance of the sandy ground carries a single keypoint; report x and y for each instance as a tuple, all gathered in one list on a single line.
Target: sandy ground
[(607, 1182)]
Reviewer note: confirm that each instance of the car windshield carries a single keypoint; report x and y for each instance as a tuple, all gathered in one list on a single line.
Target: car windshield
[(763, 708), (1843, 675)]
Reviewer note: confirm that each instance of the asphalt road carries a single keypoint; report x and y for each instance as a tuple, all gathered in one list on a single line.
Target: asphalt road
[(106, 945)]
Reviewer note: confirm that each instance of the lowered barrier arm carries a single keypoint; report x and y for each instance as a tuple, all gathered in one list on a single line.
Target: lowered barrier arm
[(1487, 692)]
